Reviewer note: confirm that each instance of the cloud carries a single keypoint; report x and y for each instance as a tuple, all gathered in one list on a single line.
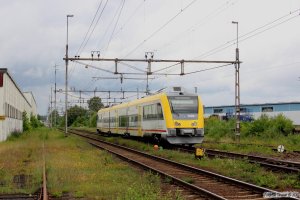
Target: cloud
[(33, 39)]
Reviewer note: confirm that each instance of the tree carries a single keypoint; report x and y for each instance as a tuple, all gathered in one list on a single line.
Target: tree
[(55, 117), (95, 104), (26, 122), (75, 112)]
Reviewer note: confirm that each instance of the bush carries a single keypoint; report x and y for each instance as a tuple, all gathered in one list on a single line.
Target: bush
[(26, 122), (268, 126), (218, 128), (93, 120), (80, 122), (35, 123)]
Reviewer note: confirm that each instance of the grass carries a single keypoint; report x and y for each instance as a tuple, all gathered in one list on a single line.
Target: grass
[(239, 169), (264, 134), (20, 166), (73, 167), (260, 145)]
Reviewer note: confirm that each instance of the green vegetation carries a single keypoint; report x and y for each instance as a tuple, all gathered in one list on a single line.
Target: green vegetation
[(73, 167), (95, 104), (79, 116), (263, 133), (20, 165), (28, 124)]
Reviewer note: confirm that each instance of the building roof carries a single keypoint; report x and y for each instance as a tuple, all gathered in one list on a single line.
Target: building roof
[(5, 71), (256, 104), (31, 95)]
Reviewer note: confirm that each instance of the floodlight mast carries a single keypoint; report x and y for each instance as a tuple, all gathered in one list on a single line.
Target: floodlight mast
[(67, 63)]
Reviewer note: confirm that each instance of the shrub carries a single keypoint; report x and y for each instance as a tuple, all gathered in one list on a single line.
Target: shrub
[(93, 120), (268, 126), (218, 128), (80, 122), (26, 122), (282, 125)]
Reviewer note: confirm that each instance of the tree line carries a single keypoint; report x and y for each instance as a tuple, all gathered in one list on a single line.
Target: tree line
[(79, 116)]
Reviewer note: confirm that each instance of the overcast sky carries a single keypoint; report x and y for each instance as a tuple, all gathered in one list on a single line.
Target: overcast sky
[(33, 39)]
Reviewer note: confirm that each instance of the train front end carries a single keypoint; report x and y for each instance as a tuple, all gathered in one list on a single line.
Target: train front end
[(184, 118)]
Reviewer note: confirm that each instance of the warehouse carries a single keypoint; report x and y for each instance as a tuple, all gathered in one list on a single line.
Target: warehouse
[(12, 104), (289, 109)]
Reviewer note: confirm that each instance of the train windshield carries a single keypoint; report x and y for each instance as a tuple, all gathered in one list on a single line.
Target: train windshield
[(183, 104)]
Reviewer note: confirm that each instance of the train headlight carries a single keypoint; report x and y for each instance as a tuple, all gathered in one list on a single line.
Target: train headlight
[(200, 132), (177, 124), (172, 132), (194, 124)]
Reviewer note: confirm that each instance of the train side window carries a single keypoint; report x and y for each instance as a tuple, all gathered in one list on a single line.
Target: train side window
[(123, 120), (159, 112), (133, 119), (152, 112)]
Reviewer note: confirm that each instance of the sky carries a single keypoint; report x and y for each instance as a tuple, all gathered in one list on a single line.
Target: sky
[(33, 38)]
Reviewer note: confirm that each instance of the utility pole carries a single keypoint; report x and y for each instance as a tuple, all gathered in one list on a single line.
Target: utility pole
[(237, 84), (51, 110), (67, 63), (55, 69), (151, 55), (80, 98)]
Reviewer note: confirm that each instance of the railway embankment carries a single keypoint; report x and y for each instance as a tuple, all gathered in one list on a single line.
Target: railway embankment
[(74, 169), (238, 169)]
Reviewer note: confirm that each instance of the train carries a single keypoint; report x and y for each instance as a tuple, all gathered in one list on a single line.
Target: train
[(173, 116)]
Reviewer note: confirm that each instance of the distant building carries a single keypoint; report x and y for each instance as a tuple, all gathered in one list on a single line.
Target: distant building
[(29, 96), (289, 109), (12, 104)]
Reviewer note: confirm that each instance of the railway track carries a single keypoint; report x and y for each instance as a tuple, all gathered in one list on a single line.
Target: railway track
[(201, 182), (270, 163), (267, 162)]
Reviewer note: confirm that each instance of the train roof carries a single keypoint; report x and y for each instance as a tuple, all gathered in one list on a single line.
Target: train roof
[(135, 102), (174, 92)]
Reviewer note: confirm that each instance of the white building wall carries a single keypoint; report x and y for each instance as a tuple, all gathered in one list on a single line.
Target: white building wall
[(292, 115), (12, 104)]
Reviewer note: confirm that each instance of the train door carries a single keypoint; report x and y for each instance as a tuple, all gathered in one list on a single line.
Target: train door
[(109, 122), (127, 120), (117, 121), (150, 121), (160, 117), (139, 125)]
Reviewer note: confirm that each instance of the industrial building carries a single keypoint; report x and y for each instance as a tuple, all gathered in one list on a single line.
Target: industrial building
[(290, 110), (13, 102)]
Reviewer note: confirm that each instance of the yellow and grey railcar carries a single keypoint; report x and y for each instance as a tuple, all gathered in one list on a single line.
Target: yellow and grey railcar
[(176, 117)]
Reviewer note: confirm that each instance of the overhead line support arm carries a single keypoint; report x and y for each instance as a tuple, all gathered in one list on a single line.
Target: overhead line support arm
[(150, 60)]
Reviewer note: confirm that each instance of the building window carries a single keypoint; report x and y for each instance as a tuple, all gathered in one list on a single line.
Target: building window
[(267, 109), (243, 110), (218, 110)]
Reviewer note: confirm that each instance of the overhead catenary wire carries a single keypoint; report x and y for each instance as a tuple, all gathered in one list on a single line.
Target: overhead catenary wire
[(254, 31), (245, 36), (122, 6), (91, 66), (160, 28), (129, 18), (92, 31), (201, 22), (92, 22)]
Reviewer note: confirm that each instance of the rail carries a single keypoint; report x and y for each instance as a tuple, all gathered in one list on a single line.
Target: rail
[(203, 182)]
